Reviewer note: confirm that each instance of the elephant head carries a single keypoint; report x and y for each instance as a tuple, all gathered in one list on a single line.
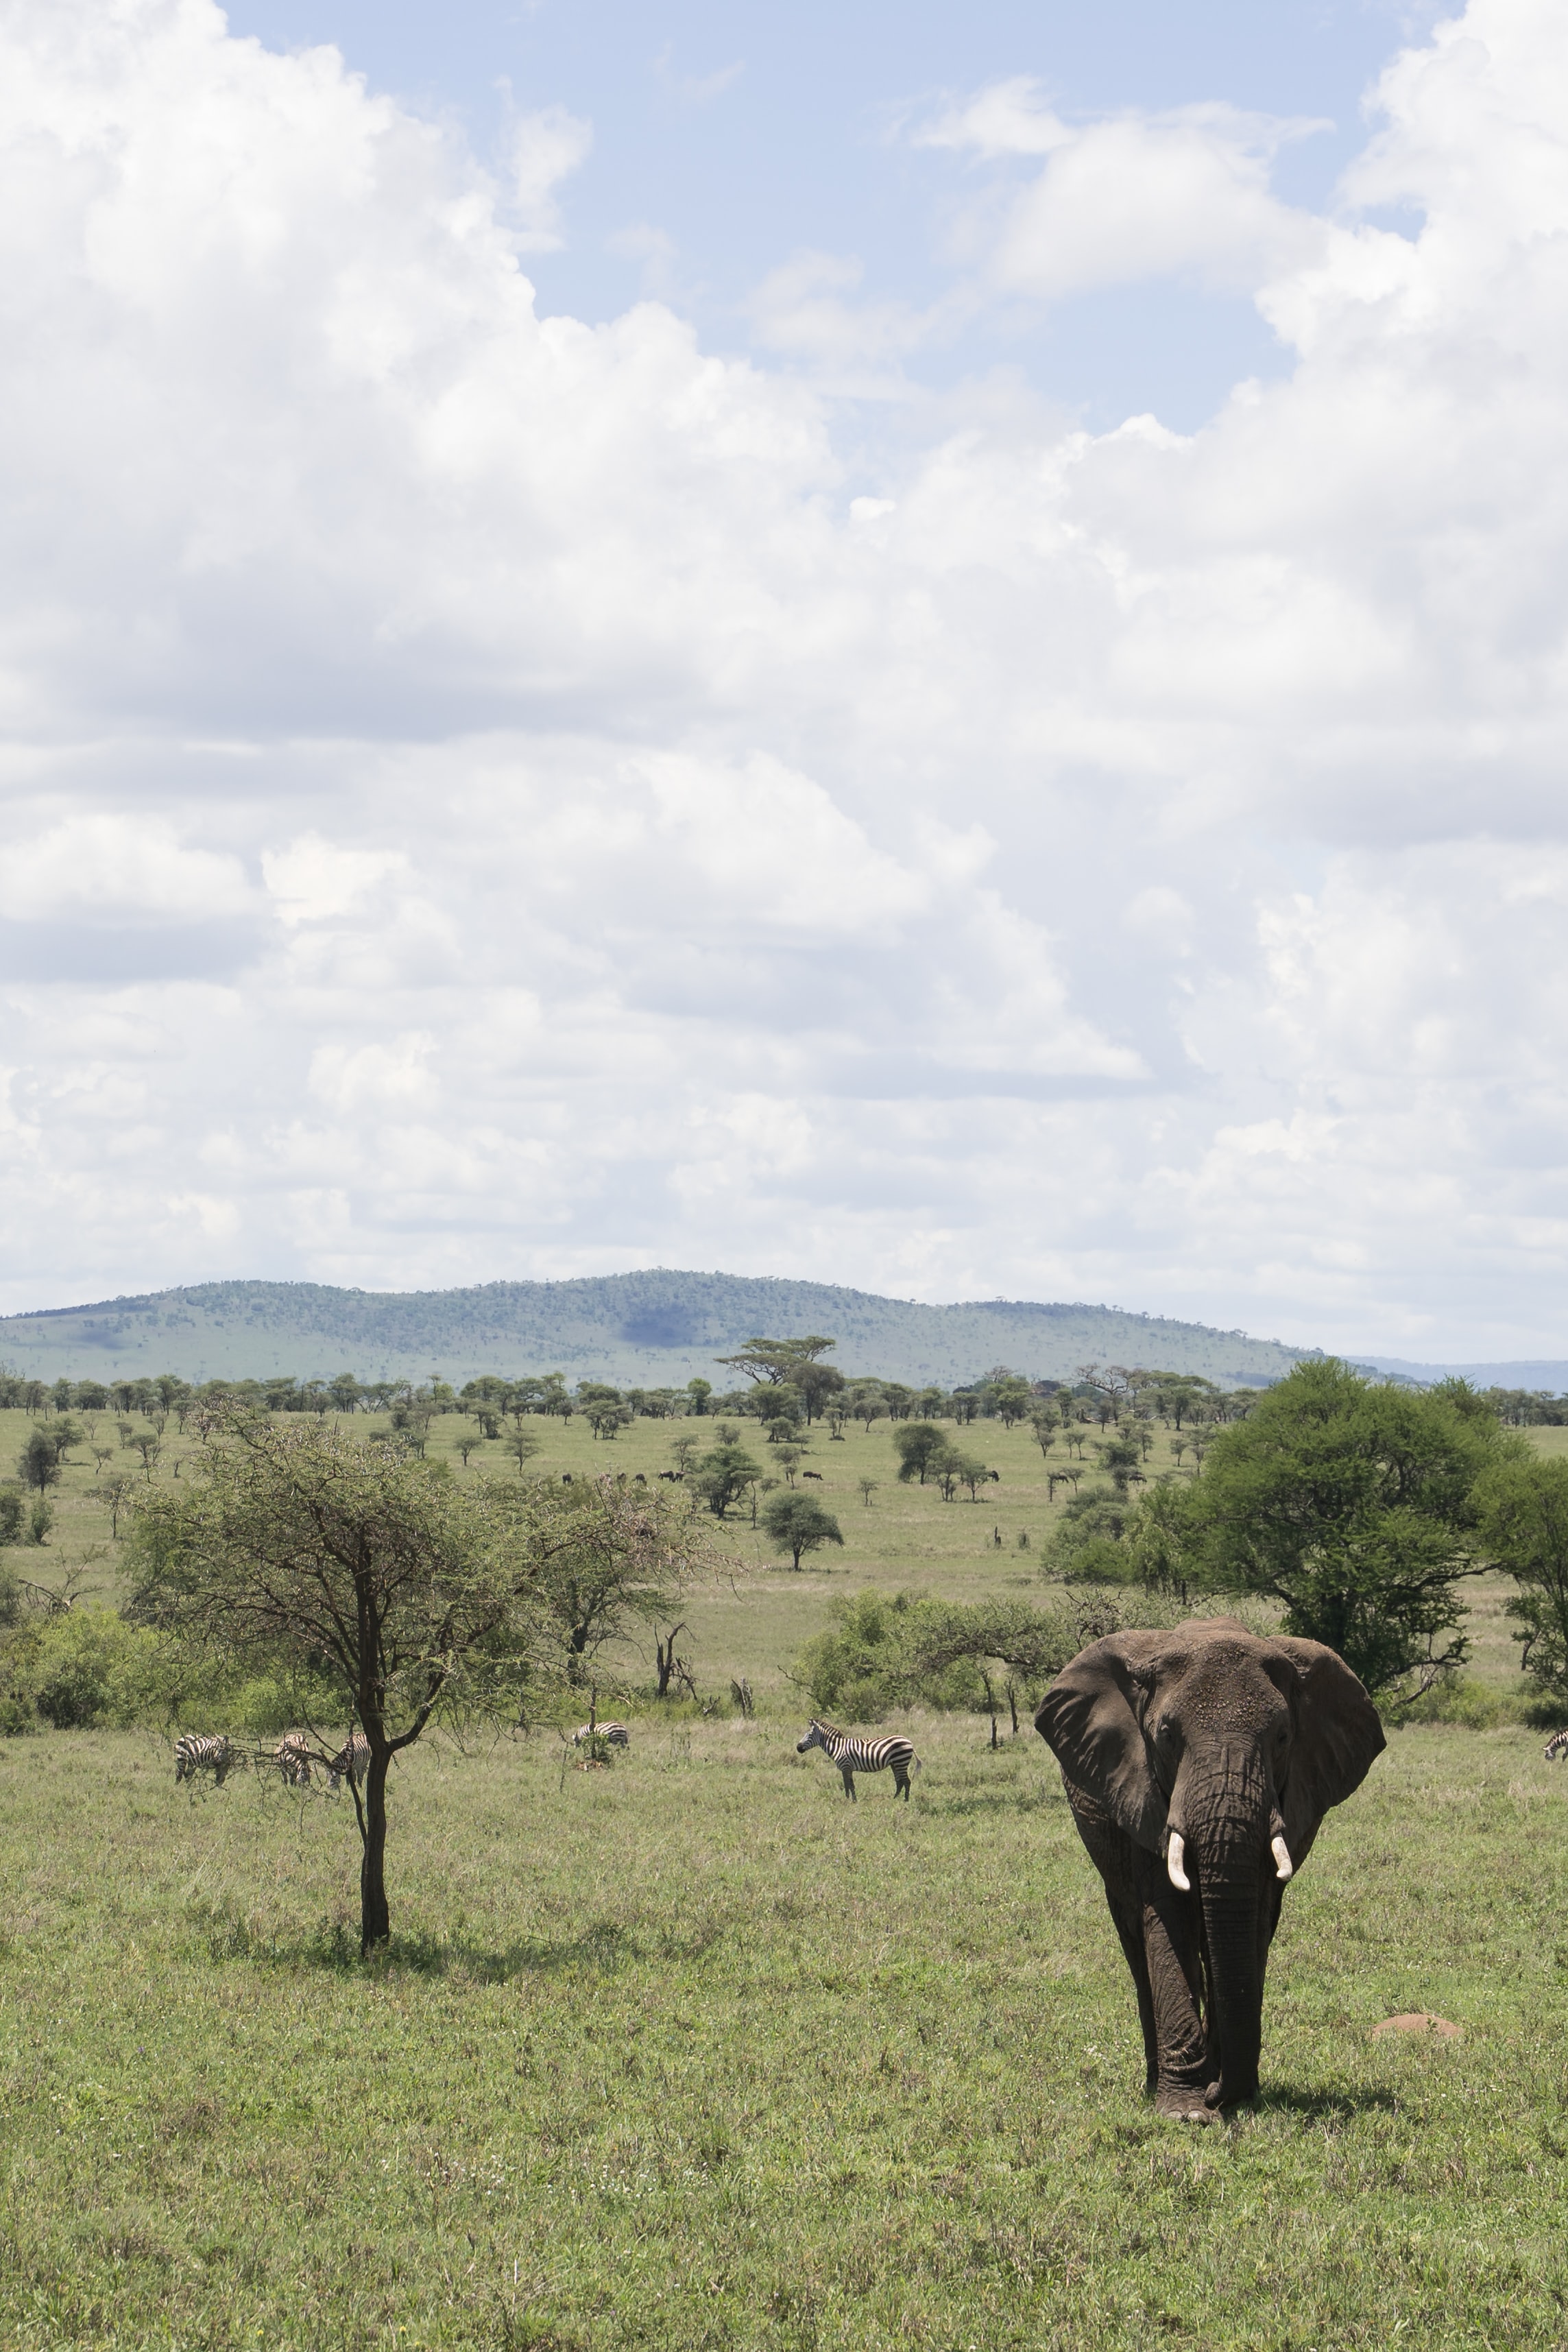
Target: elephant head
[(1218, 1754)]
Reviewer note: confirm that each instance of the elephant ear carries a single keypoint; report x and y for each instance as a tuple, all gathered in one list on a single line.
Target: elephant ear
[(1338, 1738), (1092, 1717)]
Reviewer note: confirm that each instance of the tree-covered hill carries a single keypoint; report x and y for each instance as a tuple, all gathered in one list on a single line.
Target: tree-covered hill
[(656, 1328)]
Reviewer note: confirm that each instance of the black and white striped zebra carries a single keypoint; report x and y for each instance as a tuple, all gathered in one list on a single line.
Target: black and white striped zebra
[(616, 1733), (350, 1763), (1556, 1746), (894, 1754), (203, 1751), (292, 1758)]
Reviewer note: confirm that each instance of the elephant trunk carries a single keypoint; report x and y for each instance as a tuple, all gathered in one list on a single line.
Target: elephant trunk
[(1228, 1814), (1235, 1972)]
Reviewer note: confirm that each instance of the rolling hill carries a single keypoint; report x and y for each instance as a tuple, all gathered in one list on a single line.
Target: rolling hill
[(656, 1328)]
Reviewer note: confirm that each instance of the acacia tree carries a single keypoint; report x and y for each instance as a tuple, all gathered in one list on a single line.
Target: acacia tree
[(1355, 1505), (297, 1551), (726, 1472), (917, 1448), (1524, 1528), (618, 1562), (797, 1523)]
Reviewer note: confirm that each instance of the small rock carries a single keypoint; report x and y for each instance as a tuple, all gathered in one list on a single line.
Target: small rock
[(1417, 2021)]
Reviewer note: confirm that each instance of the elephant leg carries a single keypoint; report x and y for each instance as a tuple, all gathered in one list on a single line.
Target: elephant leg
[(1128, 1923), (1158, 1930), (1172, 1950), (1122, 1866)]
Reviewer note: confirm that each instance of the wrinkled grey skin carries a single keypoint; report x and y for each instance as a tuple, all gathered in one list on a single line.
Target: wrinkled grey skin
[(1232, 1741)]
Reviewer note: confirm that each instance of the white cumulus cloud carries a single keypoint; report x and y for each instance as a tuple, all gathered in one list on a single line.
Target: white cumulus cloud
[(1182, 193), (488, 794)]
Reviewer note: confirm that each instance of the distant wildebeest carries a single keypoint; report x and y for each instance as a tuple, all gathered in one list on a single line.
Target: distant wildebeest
[(812, 1474)]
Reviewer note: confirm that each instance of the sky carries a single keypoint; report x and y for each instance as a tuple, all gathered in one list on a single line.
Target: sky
[(926, 652)]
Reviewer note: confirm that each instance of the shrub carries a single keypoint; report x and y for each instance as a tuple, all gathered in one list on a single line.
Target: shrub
[(1460, 1698), (92, 1667), (265, 1704), (856, 1668), (880, 1653), (19, 1650), (10, 1518)]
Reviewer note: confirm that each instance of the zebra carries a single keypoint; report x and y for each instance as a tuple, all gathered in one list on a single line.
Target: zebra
[(616, 1733), (853, 1756), (350, 1762), (1556, 1746), (203, 1751), (292, 1758)]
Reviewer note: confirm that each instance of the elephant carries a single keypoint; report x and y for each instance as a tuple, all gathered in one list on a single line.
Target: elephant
[(1198, 1763)]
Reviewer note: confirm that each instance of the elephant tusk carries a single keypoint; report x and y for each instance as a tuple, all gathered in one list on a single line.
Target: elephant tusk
[(1174, 1869), (1283, 1867)]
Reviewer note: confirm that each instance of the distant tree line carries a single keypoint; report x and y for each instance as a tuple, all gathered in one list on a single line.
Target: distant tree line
[(1356, 1505), (784, 1381)]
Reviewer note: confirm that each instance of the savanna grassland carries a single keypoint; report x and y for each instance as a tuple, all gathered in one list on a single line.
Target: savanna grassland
[(690, 2053)]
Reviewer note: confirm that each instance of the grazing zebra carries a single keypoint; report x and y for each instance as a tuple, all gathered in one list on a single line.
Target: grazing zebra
[(203, 1751), (292, 1758), (350, 1762), (616, 1733), (1557, 1745), (853, 1756)]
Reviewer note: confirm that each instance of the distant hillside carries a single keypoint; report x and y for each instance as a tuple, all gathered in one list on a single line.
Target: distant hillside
[(656, 1328), (1540, 1373)]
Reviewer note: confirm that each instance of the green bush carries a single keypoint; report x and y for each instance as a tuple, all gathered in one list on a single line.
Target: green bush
[(10, 1516), (264, 1705), (1090, 1542), (1460, 1698), (92, 1667), (856, 1668), (18, 1652), (880, 1653)]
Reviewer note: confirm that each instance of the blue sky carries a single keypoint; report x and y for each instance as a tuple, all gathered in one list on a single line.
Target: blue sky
[(926, 650), (742, 134)]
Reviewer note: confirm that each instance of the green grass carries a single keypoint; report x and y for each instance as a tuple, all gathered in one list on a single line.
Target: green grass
[(690, 2052)]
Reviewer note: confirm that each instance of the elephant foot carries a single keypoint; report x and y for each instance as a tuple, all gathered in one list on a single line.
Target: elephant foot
[(1188, 2103)]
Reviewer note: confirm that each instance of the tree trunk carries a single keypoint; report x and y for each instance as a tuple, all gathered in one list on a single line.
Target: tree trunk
[(1234, 1969), (375, 1921)]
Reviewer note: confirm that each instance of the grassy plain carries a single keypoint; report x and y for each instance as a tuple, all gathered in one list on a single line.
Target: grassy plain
[(690, 2052)]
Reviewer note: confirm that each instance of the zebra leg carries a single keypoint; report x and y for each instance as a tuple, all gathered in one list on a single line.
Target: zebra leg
[(900, 1784), (848, 1772)]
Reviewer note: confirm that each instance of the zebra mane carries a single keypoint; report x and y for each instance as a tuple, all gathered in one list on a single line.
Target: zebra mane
[(818, 1723)]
